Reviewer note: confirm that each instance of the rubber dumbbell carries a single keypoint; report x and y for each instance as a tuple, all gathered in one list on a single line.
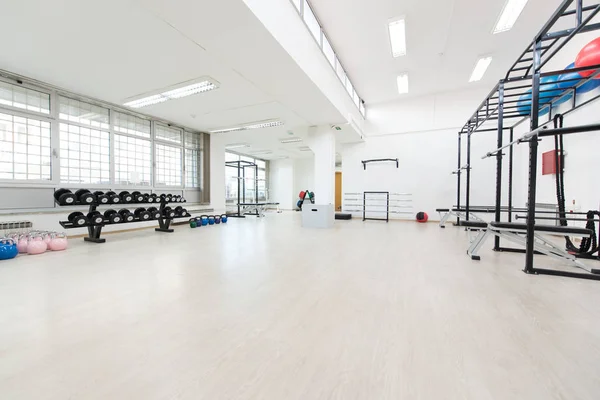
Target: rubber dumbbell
[(169, 212), (113, 198), (84, 196), (112, 216), (126, 197), (177, 198), (154, 213), (183, 200), (64, 197), (184, 213), (141, 214), (178, 211), (95, 217), (153, 198), (126, 215), (101, 198), (78, 219), (169, 198), (137, 197), (146, 197)]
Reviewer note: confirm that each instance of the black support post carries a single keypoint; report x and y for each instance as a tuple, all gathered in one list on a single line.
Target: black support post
[(510, 176), (458, 176), (468, 188), (499, 159)]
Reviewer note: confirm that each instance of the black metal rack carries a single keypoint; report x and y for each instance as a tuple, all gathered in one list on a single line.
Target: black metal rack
[(365, 162), (387, 206), (500, 112), (241, 184), (95, 230)]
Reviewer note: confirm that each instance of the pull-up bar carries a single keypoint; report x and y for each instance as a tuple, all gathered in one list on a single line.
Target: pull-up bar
[(365, 162)]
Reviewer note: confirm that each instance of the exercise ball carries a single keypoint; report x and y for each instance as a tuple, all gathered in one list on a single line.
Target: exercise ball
[(573, 78), (422, 217), (524, 105), (589, 55)]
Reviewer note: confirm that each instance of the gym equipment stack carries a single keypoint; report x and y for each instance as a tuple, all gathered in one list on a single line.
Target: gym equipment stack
[(95, 220)]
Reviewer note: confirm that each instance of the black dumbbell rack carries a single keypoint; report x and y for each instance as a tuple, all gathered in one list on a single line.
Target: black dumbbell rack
[(94, 230)]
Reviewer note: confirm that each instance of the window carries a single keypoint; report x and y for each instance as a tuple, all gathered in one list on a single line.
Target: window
[(26, 99), (167, 134), (340, 71), (328, 50), (133, 164), (25, 151), (84, 155), (356, 100), (193, 144), (311, 22), (132, 125), (349, 87), (83, 113), (168, 165), (362, 109)]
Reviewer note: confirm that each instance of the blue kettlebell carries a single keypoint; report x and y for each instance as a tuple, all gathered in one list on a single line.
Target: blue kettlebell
[(224, 218), (8, 249), (204, 220), (217, 219), (211, 220)]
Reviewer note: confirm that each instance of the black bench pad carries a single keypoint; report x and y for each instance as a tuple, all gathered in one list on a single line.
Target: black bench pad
[(563, 230), (473, 224), (475, 210)]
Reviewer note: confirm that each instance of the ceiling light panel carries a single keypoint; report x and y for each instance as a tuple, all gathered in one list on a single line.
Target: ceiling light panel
[(402, 82), (480, 68), (291, 140), (509, 15), (253, 125), (188, 89), (236, 146), (397, 31)]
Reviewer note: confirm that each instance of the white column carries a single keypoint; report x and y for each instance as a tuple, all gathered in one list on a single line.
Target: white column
[(217, 173), (322, 143)]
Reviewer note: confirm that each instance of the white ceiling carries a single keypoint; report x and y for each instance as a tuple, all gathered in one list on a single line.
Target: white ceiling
[(113, 50), (445, 38)]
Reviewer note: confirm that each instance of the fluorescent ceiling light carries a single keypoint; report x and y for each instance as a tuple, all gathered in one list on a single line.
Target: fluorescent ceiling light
[(253, 125), (304, 148), (292, 140), (261, 152), (480, 68), (172, 94), (402, 81), (236, 146), (509, 15), (397, 30)]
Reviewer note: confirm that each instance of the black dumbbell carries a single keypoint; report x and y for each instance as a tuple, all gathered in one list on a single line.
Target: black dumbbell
[(137, 197), (101, 198), (126, 197), (146, 197), (154, 213), (169, 212), (64, 197), (141, 214), (178, 211), (151, 198), (84, 196), (78, 219), (169, 198), (184, 213), (112, 216), (113, 198), (95, 217), (126, 215)]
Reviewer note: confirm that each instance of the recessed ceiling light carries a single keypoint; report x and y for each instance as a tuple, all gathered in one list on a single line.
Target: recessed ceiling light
[(261, 152), (253, 125), (304, 148), (237, 146), (402, 82), (291, 140), (182, 90), (397, 31), (509, 15), (480, 68)]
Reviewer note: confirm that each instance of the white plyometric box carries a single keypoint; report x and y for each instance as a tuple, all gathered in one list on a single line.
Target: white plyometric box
[(318, 216)]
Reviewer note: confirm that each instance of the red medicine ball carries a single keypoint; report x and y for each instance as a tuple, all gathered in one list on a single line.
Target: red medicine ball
[(422, 217)]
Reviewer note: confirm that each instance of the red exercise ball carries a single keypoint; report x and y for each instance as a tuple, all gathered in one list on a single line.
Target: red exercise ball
[(422, 217), (589, 55)]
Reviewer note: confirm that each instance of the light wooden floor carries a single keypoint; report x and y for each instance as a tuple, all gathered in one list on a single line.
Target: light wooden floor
[(263, 309)]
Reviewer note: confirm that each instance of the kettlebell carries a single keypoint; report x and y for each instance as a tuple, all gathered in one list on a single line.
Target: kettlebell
[(211, 220), (204, 220), (22, 244), (224, 218), (36, 245), (58, 242), (217, 219), (8, 249), (193, 223)]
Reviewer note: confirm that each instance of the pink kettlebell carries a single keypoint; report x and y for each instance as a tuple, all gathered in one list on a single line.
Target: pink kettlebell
[(47, 237), (58, 242), (22, 244), (36, 245)]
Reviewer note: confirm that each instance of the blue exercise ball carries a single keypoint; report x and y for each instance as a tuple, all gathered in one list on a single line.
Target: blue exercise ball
[(524, 105), (573, 78)]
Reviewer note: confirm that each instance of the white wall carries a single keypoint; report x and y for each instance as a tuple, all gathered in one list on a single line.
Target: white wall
[(304, 176), (281, 183)]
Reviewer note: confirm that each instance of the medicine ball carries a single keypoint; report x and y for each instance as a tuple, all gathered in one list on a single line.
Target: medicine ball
[(422, 217)]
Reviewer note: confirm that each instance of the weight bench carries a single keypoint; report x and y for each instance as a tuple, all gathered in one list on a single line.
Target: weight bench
[(257, 209), (446, 213), (517, 233)]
